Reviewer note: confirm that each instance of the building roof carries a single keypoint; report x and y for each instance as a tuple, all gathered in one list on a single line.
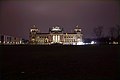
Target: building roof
[(34, 27)]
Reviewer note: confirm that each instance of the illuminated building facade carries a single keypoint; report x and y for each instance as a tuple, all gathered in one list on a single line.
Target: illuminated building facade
[(55, 36)]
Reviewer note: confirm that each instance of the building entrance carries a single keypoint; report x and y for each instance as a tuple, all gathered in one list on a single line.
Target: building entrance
[(56, 38)]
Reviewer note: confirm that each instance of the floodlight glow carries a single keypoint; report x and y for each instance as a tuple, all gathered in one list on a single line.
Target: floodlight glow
[(80, 43), (20, 41), (92, 42)]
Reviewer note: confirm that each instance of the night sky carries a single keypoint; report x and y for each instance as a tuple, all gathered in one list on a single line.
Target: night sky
[(17, 17)]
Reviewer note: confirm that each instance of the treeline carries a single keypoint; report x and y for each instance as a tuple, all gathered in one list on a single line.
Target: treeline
[(113, 34)]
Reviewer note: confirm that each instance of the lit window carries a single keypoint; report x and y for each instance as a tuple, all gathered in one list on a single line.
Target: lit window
[(33, 39)]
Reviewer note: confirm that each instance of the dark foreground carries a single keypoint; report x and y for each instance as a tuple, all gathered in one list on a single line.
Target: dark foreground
[(25, 62)]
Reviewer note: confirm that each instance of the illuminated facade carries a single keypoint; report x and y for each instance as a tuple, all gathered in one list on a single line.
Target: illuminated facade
[(55, 35)]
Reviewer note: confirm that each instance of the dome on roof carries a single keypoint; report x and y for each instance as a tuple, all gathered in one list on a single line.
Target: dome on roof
[(77, 29), (34, 27), (56, 29)]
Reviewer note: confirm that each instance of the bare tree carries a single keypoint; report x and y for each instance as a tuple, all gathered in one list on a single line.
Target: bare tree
[(98, 31), (118, 31), (112, 32), (115, 33)]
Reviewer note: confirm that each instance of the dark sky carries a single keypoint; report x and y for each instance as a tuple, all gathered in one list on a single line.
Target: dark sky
[(16, 17)]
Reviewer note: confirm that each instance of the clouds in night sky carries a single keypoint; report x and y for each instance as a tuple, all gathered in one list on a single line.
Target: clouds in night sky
[(16, 17)]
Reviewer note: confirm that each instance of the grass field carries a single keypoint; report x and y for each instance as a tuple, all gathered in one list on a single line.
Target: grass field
[(58, 62)]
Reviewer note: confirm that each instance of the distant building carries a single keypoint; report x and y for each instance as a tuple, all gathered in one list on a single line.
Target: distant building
[(55, 36), (5, 39)]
